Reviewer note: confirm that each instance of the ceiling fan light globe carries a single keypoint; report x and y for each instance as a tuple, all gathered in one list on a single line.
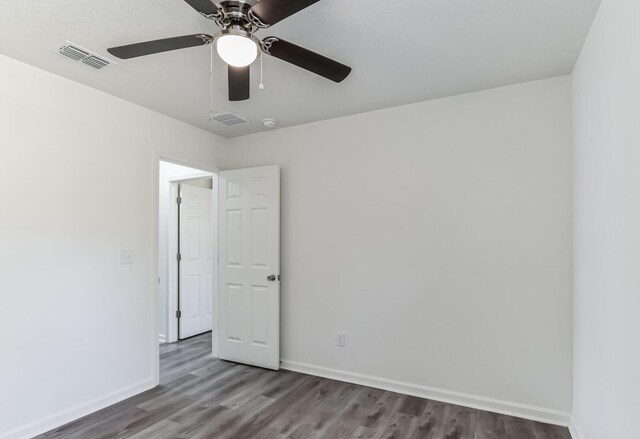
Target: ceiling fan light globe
[(237, 50)]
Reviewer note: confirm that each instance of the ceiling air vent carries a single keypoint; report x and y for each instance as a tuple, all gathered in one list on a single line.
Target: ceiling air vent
[(73, 52), (229, 119), (96, 62), (77, 53)]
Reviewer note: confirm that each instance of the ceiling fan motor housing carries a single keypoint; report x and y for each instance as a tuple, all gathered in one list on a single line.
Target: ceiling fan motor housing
[(237, 14)]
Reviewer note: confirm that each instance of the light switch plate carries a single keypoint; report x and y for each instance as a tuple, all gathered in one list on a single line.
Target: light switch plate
[(126, 257)]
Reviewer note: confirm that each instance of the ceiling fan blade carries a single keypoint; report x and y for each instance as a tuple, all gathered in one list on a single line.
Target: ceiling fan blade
[(239, 83), (157, 46), (270, 12), (308, 60), (205, 7)]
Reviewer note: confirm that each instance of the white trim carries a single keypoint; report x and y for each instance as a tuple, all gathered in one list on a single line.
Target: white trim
[(216, 221), (171, 279), (575, 432), (155, 272), (477, 402), (61, 418), (162, 338), (192, 176)]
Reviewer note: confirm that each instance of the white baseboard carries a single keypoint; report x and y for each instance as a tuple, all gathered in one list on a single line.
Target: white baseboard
[(162, 338), (477, 402), (65, 416), (575, 432)]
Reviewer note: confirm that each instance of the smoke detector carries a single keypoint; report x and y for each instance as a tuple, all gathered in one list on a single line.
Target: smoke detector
[(269, 123)]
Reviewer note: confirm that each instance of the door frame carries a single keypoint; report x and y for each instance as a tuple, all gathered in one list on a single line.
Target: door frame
[(155, 278), (173, 270)]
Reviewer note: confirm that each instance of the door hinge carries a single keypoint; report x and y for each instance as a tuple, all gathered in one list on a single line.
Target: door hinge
[(179, 200), (178, 314), (178, 257)]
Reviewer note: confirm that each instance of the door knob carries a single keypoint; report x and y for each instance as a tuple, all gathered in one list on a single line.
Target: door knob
[(271, 277)]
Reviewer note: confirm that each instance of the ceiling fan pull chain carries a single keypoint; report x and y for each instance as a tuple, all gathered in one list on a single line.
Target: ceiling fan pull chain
[(211, 86), (261, 86)]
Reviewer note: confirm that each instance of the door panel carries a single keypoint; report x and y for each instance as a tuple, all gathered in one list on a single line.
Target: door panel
[(196, 265), (249, 233)]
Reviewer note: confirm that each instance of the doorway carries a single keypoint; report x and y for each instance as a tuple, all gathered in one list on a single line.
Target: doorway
[(195, 257), (218, 259), (187, 252)]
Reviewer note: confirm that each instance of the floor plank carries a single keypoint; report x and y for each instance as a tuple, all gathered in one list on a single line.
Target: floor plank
[(202, 397), (430, 423)]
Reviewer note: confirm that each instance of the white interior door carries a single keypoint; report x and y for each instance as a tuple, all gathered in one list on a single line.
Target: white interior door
[(196, 261), (249, 266)]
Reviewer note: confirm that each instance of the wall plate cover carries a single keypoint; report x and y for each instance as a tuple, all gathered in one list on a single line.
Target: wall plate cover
[(126, 256)]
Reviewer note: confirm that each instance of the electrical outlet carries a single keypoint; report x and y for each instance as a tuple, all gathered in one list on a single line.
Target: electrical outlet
[(341, 340)]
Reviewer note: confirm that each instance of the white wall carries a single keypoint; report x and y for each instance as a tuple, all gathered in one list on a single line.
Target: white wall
[(437, 236), (77, 327), (606, 102), (168, 173)]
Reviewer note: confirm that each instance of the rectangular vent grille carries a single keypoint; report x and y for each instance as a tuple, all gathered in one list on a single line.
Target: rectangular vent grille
[(77, 53), (73, 52), (229, 119), (95, 62)]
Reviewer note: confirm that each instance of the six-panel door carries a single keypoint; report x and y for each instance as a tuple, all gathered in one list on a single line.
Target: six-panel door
[(249, 256), (197, 260)]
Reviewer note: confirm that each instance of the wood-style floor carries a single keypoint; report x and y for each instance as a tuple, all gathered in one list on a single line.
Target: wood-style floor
[(201, 397)]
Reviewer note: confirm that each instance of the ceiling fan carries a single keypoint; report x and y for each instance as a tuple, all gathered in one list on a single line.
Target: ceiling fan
[(238, 46)]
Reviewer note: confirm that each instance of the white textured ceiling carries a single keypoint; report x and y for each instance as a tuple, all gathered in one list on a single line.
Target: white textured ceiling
[(400, 52)]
